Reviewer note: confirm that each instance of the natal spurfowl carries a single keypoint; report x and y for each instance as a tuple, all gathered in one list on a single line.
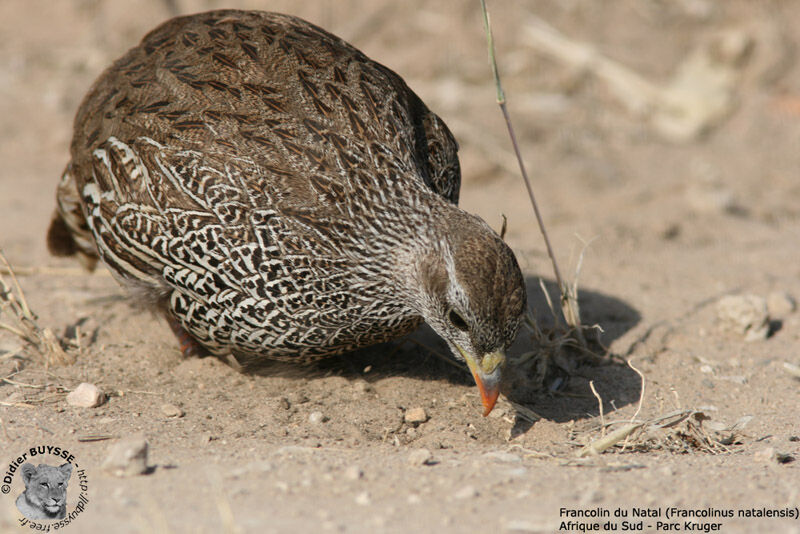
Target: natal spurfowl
[(280, 195)]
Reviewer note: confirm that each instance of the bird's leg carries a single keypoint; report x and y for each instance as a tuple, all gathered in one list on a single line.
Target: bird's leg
[(188, 345)]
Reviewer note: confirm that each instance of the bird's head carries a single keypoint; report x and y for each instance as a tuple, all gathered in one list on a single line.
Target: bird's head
[(473, 295)]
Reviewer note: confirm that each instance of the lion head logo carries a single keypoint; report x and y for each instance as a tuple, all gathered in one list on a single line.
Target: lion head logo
[(45, 495)]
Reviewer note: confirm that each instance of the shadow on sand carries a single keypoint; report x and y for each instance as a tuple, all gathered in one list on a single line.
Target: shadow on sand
[(425, 356)]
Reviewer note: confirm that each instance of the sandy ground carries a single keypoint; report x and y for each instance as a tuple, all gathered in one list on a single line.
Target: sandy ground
[(674, 225)]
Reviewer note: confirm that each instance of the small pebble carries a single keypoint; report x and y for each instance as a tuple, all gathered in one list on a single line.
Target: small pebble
[(416, 415), (467, 492), (353, 473), (316, 418), (362, 386), (252, 469), (420, 457), (471, 432), (497, 413), (745, 315), (127, 457), (283, 403), (502, 456), (86, 396), (172, 411), (363, 499), (670, 231), (792, 369), (780, 304), (711, 198), (736, 379), (769, 455), (765, 455), (295, 398)]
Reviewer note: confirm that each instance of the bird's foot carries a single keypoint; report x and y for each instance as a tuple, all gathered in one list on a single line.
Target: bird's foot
[(188, 345)]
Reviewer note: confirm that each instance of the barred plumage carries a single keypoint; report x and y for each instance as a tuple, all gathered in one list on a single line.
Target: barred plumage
[(281, 195)]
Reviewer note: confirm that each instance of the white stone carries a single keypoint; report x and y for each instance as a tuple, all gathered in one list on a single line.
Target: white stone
[(467, 492), (420, 457), (780, 304), (765, 455), (316, 418), (86, 396), (502, 456), (353, 473), (416, 415), (127, 457), (745, 315), (172, 411)]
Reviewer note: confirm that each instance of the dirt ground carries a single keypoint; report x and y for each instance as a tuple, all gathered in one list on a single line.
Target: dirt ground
[(675, 220)]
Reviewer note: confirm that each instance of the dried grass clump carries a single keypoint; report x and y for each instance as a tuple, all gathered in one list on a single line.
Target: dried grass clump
[(22, 322), (681, 431), (555, 354)]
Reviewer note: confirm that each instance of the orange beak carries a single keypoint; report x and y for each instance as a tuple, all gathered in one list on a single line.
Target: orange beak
[(489, 392), (487, 374)]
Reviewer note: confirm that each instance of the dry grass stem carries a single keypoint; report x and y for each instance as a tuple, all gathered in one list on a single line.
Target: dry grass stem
[(529, 453), (792, 369), (17, 404), (641, 399), (95, 437), (25, 326), (556, 317), (605, 442), (525, 412), (8, 380), (641, 391), (568, 298), (599, 405)]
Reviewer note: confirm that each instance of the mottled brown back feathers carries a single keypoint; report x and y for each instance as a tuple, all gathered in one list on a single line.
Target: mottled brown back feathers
[(261, 178)]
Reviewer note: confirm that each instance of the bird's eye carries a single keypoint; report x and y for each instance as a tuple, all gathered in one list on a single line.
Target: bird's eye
[(458, 321)]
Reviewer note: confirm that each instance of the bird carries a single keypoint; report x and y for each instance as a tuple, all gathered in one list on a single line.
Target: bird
[(278, 195)]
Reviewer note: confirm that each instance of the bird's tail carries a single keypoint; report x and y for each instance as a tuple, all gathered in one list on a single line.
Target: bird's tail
[(69, 235)]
